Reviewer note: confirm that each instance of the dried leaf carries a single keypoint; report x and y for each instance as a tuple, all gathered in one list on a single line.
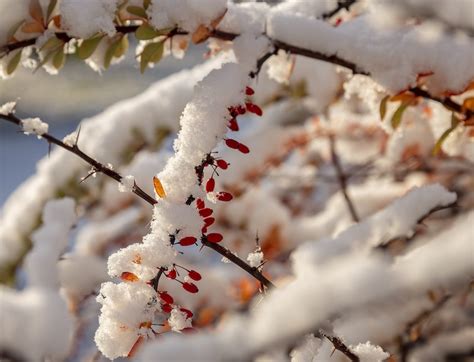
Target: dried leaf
[(36, 11), (33, 27), (146, 3), (11, 33), (405, 97), (152, 53), (397, 116), (216, 21), (13, 63), (468, 104), (57, 21), (135, 347), (439, 143), (201, 34), (160, 191), (383, 107), (137, 11), (88, 46), (128, 277)]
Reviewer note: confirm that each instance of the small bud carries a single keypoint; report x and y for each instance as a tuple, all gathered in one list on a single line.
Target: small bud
[(253, 108), (171, 274), (233, 125), (209, 221), (200, 204), (222, 164), (249, 91)]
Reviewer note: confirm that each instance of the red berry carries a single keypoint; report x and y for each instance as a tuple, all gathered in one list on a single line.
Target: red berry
[(188, 240), (249, 91), (171, 274), (222, 164), (194, 275), (166, 308), (214, 237), (165, 297), (232, 143), (224, 196), (241, 109), (205, 212), (204, 229), (254, 108), (190, 287), (200, 204), (209, 220), (233, 125), (187, 312), (210, 184), (243, 148)]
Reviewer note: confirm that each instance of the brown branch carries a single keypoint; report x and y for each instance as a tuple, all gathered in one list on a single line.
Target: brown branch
[(99, 167), (341, 4), (342, 179), (340, 346)]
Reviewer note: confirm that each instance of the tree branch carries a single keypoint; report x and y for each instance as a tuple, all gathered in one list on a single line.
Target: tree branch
[(340, 346), (99, 167), (342, 179)]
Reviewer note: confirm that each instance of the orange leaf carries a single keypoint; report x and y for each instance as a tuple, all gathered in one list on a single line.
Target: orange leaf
[(160, 191), (129, 277), (217, 20), (32, 28), (468, 104), (201, 34), (135, 347), (405, 97), (57, 21), (35, 11)]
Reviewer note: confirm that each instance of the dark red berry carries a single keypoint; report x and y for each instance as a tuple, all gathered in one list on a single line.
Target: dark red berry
[(209, 220), (210, 184), (249, 91), (190, 287), (232, 143), (233, 125), (243, 148), (188, 240), (205, 212), (171, 274), (253, 108), (165, 297), (214, 237), (204, 229), (222, 164), (166, 308), (200, 204), (194, 275), (188, 313), (224, 196), (241, 109)]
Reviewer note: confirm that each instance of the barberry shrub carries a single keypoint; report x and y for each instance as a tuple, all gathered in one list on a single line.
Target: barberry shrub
[(318, 196)]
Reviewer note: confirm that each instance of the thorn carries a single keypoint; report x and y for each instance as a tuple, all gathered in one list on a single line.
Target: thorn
[(49, 149), (78, 134)]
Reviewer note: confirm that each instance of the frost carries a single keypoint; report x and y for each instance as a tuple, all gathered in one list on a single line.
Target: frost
[(71, 139), (280, 67), (127, 184), (34, 126), (255, 258)]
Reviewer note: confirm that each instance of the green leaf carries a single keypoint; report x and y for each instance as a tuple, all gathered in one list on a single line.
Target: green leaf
[(88, 46), (52, 43), (383, 107), (146, 32), (146, 3), (46, 59), (14, 29), (137, 11), (51, 6), (111, 51), (59, 58), (152, 53), (122, 47), (13, 63), (397, 116), (439, 143)]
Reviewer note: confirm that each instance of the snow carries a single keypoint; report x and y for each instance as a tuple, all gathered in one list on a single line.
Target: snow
[(127, 184), (8, 108), (84, 18), (34, 126), (178, 320), (255, 258), (186, 14), (17, 11), (369, 353)]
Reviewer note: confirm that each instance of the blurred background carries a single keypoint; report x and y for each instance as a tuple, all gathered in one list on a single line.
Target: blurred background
[(63, 100)]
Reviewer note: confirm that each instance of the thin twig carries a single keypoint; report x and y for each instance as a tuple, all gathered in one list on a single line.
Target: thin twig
[(341, 4), (342, 178), (99, 167), (340, 346)]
